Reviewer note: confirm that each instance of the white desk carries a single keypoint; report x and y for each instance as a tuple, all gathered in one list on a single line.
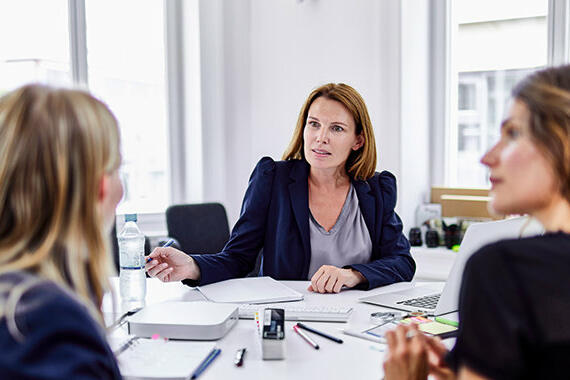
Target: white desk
[(354, 359)]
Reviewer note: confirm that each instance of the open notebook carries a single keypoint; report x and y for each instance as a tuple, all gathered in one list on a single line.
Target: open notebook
[(249, 290), (160, 359)]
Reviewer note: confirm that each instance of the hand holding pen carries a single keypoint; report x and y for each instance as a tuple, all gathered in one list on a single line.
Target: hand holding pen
[(170, 264), (167, 244)]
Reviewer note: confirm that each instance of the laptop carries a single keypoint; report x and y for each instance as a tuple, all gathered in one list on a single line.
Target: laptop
[(426, 299)]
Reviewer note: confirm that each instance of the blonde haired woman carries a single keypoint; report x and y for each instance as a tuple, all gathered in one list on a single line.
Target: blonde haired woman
[(59, 186), (515, 299), (322, 214)]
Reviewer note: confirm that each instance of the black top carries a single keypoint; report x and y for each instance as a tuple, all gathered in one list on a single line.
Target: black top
[(514, 309), (60, 339)]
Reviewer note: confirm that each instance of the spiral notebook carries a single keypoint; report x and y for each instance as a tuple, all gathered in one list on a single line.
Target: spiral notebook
[(146, 359)]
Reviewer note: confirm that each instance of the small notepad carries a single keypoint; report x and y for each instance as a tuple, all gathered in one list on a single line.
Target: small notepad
[(429, 326), (160, 359), (249, 290)]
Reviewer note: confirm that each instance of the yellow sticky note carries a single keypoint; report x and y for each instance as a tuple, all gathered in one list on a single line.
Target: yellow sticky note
[(436, 328)]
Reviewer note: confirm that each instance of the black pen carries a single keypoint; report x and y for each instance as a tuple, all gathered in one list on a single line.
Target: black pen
[(238, 361), (305, 327)]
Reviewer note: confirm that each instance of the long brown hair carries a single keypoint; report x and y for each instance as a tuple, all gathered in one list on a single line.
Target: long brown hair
[(361, 163), (55, 147), (546, 93)]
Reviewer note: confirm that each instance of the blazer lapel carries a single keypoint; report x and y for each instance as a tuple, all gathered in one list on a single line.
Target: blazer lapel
[(367, 205), (299, 193)]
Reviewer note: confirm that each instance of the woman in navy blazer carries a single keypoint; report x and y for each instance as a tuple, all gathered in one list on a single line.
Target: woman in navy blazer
[(332, 152)]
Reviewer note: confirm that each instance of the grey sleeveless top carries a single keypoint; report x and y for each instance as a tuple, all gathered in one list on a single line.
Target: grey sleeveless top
[(347, 243)]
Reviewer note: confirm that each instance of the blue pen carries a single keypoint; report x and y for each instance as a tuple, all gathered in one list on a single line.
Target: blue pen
[(167, 244), (209, 359)]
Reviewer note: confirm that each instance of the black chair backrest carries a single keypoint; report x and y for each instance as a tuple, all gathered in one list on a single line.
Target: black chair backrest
[(199, 228)]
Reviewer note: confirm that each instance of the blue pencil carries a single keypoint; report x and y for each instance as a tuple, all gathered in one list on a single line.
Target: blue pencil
[(209, 359)]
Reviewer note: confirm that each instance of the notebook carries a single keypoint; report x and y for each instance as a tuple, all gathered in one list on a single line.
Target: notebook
[(426, 299), (249, 290), (147, 359)]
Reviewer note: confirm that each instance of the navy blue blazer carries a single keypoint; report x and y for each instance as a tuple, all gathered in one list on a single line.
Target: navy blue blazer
[(60, 338), (275, 217)]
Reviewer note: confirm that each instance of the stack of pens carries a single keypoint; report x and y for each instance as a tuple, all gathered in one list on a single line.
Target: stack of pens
[(297, 328)]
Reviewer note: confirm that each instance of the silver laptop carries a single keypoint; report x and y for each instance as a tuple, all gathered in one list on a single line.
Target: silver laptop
[(426, 299)]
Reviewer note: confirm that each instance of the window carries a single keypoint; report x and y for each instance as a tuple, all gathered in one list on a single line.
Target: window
[(125, 56), (126, 68), (35, 43), (494, 45)]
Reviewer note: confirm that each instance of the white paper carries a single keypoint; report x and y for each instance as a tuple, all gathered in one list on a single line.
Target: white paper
[(249, 290)]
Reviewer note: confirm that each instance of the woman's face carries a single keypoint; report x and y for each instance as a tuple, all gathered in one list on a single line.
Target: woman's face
[(329, 135), (522, 180)]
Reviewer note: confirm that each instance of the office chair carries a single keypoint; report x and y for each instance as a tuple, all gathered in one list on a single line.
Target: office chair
[(199, 228)]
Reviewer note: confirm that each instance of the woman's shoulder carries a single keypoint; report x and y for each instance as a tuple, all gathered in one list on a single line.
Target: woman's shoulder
[(41, 304), (268, 166), (382, 184), (46, 315), (541, 253)]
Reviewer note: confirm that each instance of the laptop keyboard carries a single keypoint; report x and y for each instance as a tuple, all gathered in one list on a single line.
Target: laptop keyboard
[(301, 312), (425, 302)]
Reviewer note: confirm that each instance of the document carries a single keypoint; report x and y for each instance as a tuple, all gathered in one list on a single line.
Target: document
[(147, 359), (249, 290)]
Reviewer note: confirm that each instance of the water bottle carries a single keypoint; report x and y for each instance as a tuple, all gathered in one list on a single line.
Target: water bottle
[(132, 277)]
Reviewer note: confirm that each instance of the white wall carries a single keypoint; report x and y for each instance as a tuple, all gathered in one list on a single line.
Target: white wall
[(260, 59)]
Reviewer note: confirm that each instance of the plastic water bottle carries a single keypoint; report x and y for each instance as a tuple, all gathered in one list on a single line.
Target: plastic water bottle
[(132, 277)]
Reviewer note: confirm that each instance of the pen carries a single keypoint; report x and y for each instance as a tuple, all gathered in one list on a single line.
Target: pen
[(126, 345), (167, 244), (238, 361), (305, 327), (306, 337), (205, 363), (121, 321)]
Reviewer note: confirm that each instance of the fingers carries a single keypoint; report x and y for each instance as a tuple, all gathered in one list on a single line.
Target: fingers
[(164, 275), (436, 354), (338, 286), (153, 258), (328, 279), (437, 346), (315, 278), (157, 269)]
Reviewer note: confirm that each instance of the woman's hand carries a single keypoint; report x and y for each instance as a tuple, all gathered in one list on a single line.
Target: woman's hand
[(407, 358), (170, 264), (330, 279), (412, 355)]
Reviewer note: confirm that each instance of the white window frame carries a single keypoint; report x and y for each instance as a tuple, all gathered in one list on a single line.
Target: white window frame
[(444, 86), (153, 224)]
